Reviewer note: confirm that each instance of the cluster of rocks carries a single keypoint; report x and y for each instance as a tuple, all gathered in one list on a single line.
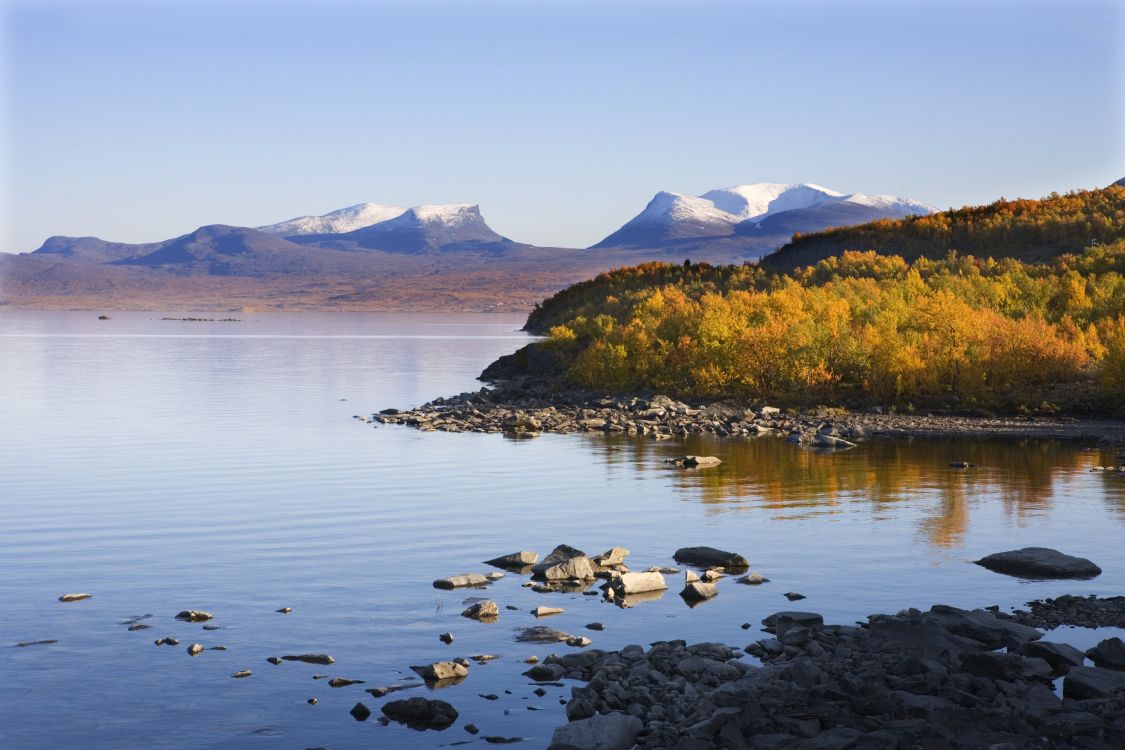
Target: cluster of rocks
[(947, 678), (529, 408)]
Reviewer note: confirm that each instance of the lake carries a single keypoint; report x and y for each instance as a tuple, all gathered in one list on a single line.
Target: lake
[(163, 465)]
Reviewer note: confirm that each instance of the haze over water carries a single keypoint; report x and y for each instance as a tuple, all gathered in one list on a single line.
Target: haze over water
[(164, 465)]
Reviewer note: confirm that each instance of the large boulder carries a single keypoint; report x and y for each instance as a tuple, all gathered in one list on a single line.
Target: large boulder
[(1093, 682), (1110, 653), (1039, 562), (779, 622), (981, 626), (599, 732), (421, 713), (484, 611), (709, 557), (1060, 656)]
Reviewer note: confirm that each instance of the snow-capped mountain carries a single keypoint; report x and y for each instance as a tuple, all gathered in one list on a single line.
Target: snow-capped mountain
[(759, 209), (455, 226), (335, 222)]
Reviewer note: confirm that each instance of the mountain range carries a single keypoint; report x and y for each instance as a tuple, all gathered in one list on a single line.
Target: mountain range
[(434, 250)]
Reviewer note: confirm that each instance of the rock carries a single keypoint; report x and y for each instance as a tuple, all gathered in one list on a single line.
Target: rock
[(578, 568), (696, 590), (284, 610), (359, 711), (710, 576), (779, 622), (495, 739), (595, 626), (493, 577), (441, 670), (241, 674), (483, 611), (381, 692), (793, 596), (514, 561), (472, 729), (167, 641), (753, 579), (421, 713), (1110, 654), (599, 732), (981, 626), (578, 641), (465, 579), (194, 615), (709, 557), (959, 464), (75, 597), (831, 441), (541, 634), (446, 637), (339, 682), (138, 626), (700, 462), (1060, 656), (1039, 562), (310, 658), (613, 556), (638, 583), (195, 649), (273, 660), (482, 658), (212, 627), (311, 701), (547, 611), (546, 672), (1093, 682)]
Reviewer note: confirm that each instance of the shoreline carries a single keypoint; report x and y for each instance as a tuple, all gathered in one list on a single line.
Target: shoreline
[(528, 409)]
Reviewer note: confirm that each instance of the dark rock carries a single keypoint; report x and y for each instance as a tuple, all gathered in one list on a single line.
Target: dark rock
[(359, 711), (612, 731), (1093, 682), (75, 597), (339, 682), (421, 713), (310, 658), (1060, 656), (709, 557), (793, 596), (1039, 562), (1110, 654)]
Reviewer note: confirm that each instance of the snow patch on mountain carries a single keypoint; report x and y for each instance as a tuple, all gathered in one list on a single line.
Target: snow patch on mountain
[(904, 206), (668, 207), (335, 222), (760, 199)]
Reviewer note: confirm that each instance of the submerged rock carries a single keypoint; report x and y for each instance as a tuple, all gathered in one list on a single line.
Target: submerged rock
[(75, 597), (1039, 562)]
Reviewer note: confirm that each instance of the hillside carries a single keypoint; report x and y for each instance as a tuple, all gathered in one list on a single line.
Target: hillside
[(1028, 230)]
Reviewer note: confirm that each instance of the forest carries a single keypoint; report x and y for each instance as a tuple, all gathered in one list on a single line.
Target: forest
[(988, 332)]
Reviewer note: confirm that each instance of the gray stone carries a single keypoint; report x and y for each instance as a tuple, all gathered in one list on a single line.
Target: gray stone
[(1060, 656), (1110, 654), (546, 672), (779, 622), (1093, 682), (599, 732), (1039, 562)]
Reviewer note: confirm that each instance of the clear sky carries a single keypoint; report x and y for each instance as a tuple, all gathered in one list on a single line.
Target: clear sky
[(141, 121)]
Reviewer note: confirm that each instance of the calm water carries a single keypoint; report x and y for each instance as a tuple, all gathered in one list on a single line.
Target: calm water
[(164, 465)]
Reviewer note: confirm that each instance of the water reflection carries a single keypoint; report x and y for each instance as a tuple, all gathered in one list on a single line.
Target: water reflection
[(790, 482)]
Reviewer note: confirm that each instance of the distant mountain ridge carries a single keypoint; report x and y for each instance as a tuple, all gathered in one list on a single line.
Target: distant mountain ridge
[(335, 222), (746, 211)]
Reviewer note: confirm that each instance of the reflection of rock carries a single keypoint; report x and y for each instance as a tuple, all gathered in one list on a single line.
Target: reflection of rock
[(632, 600), (1039, 562)]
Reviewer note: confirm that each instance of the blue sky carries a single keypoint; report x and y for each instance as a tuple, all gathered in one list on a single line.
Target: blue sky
[(141, 121)]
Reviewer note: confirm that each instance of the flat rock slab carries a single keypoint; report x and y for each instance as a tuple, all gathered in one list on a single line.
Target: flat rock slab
[(514, 561), (599, 732), (310, 658), (638, 583), (709, 557), (459, 581), (542, 634), (1093, 682), (779, 622), (1039, 562), (75, 597), (421, 713)]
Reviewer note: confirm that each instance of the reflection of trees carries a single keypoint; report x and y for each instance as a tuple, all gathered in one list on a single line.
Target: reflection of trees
[(797, 482)]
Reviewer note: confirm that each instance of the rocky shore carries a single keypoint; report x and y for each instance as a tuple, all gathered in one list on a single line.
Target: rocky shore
[(527, 408), (945, 678)]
